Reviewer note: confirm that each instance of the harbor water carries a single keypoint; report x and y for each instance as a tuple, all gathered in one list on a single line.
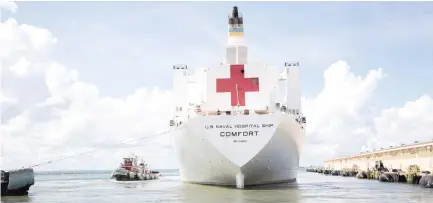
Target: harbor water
[(91, 186)]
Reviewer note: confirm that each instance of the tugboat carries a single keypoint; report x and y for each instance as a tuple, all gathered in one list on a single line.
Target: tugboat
[(131, 170)]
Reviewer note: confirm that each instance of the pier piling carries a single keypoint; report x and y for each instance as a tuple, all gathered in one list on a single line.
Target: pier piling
[(412, 164)]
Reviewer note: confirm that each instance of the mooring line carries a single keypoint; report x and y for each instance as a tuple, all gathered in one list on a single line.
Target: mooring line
[(102, 148)]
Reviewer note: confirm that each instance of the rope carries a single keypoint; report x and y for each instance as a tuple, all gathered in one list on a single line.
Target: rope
[(102, 148)]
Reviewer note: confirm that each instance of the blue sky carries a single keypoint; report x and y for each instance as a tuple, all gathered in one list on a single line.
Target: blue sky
[(121, 46)]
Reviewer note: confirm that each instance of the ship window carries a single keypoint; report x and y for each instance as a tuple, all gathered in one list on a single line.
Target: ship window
[(231, 55)]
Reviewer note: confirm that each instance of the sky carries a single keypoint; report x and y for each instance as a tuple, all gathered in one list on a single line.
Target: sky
[(78, 76)]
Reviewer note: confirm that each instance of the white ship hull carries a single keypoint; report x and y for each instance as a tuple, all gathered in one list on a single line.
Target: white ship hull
[(265, 155)]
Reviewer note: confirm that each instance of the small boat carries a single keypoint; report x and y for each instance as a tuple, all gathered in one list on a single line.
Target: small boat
[(131, 170), (17, 182)]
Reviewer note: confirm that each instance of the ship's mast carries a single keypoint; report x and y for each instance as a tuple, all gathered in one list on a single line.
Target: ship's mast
[(180, 92)]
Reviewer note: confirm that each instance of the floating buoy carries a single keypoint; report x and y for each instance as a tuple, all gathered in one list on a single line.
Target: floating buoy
[(361, 175), (17, 182), (426, 181), (335, 173), (386, 177)]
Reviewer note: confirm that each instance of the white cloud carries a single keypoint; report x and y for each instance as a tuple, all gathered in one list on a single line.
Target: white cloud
[(9, 5), (5, 99), (404, 125), (344, 94), (21, 67), (24, 41), (334, 117), (339, 123), (66, 115), (49, 112)]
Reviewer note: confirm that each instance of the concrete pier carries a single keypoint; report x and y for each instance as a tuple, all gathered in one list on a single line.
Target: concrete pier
[(394, 157)]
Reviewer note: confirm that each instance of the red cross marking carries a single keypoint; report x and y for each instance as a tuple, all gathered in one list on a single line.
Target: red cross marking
[(244, 85)]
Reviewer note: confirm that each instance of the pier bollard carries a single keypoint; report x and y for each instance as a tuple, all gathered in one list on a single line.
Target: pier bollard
[(389, 177), (240, 180), (361, 175)]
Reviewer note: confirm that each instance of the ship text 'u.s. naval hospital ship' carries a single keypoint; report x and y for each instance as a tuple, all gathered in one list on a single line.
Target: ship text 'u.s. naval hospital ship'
[(246, 127)]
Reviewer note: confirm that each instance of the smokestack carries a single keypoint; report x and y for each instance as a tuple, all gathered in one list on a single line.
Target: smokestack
[(235, 12), (236, 52), (236, 24)]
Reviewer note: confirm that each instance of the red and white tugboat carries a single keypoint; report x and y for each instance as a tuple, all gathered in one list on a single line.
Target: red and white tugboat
[(131, 170)]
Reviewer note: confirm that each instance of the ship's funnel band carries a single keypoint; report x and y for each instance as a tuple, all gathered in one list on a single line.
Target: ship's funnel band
[(237, 30), (236, 34), (234, 26)]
